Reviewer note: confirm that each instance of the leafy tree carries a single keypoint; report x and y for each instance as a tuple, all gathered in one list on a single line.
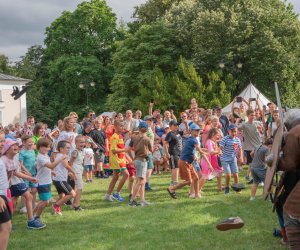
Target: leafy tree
[(4, 65)]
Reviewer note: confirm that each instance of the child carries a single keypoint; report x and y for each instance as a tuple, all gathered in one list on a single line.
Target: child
[(54, 138), (38, 133), (28, 165), (157, 155), (229, 144), (60, 178), (186, 169), (142, 146), (89, 162), (5, 212), (17, 186), (258, 169), (76, 162), (213, 152), (44, 175), (117, 162)]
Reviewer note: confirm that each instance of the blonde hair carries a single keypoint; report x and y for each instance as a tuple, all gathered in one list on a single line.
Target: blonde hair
[(66, 122), (73, 114)]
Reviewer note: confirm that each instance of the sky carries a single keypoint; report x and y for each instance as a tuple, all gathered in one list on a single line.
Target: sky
[(23, 22)]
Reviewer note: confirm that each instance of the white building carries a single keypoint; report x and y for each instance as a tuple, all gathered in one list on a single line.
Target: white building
[(12, 111)]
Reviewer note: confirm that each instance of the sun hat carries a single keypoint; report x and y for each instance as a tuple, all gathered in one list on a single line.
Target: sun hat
[(7, 144)]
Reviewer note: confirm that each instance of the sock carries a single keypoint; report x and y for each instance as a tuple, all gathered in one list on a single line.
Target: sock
[(30, 220)]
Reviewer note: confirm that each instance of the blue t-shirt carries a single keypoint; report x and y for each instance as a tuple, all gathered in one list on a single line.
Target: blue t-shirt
[(230, 146), (188, 151), (28, 159)]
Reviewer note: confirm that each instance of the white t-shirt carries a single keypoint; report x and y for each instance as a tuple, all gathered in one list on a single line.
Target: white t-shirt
[(88, 156), (69, 137), (60, 170), (11, 167), (3, 179), (77, 164), (43, 173)]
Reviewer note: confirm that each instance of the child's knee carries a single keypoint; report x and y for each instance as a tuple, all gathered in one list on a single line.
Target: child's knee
[(28, 196)]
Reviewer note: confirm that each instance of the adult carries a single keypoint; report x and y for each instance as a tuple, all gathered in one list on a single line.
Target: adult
[(273, 125), (223, 120), (154, 113), (98, 136), (242, 110), (169, 116), (78, 128), (129, 124), (159, 126), (31, 122), (184, 126), (88, 125)]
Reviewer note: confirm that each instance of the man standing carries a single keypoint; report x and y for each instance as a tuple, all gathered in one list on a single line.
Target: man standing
[(88, 125), (223, 120)]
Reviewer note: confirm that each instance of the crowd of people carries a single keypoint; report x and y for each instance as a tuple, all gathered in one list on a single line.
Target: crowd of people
[(198, 146)]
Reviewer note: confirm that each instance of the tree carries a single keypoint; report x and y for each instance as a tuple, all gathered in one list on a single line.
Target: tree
[(152, 46), (4, 65)]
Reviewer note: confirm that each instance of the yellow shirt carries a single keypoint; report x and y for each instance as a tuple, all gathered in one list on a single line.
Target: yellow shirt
[(117, 161)]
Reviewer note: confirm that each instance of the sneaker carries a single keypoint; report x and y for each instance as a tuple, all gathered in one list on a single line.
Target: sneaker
[(23, 210), (56, 209), (133, 203), (145, 203), (103, 176), (226, 191), (192, 196), (252, 198), (35, 224), (117, 197), (78, 209), (262, 184), (108, 197), (148, 188)]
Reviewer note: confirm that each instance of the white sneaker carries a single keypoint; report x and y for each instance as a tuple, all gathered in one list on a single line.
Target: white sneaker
[(23, 210), (252, 198), (192, 196), (108, 197), (145, 203)]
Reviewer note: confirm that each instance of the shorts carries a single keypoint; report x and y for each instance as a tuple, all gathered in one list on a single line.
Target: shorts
[(120, 170), (258, 175), (30, 184), (141, 168), (71, 182), (5, 216), (187, 171), (131, 169), (230, 166), (248, 156), (78, 181), (18, 189), (99, 157), (196, 166), (150, 164), (44, 192), (62, 187), (173, 161), (88, 167)]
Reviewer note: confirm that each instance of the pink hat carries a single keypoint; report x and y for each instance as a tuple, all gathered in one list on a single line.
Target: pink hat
[(7, 144)]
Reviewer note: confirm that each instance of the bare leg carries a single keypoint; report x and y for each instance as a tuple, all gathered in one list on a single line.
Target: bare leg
[(175, 172), (196, 187), (236, 178), (219, 181), (139, 185), (66, 198), (113, 182), (5, 229), (130, 184), (227, 180), (201, 183), (28, 198), (76, 201), (40, 207), (123, 180), (253, 190), (179, 185)]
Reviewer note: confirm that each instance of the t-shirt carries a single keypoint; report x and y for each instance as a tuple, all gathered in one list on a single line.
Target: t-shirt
[(150, 134), (28, 159), (116, 161), (77, 164), (229, 146), (43, 174), (12, 166), (175, 143), (252, 137), (60, 170), (3, 179), (99, 137), (225, 123), (184, 127), (141, 145), (88, 156), (188, 150), (69, 137), (260, 154)]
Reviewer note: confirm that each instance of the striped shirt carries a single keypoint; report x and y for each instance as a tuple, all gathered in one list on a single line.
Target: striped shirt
[(229, 147), (3, 179)]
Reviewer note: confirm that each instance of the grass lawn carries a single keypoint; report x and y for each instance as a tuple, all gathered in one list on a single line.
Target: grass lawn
[(166, 224)]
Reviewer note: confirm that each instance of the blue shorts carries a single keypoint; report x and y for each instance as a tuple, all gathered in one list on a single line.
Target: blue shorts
[(44, 192), (230, 167), (150, 164), (88, 167), (30, 184), (196, 166), (18, 189)]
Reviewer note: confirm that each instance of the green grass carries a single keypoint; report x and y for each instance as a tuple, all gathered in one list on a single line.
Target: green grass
[(166, 224)]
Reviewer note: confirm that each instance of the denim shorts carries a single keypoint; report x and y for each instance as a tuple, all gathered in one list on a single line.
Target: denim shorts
[(258, 175), (230, 167), (196, 166), (88, 167)]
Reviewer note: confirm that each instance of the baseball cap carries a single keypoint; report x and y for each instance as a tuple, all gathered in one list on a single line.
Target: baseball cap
[(143, 124), (173, 123), (166, 126), (148, 117), (194, 127), (232, 126)]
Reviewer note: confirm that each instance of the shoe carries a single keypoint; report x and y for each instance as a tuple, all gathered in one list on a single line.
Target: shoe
[(23, 210), (262, 184), (108, 197), (91, 181), (35, 224), (103, 176), (56, 209), (192, 196), (78, 209), (148, 188), (117, 197), (230, 223), (145, 203), (252, 198), (226, 190), (133, 203)]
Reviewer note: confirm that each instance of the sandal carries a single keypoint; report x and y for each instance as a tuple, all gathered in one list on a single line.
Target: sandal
[(172, 194)]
